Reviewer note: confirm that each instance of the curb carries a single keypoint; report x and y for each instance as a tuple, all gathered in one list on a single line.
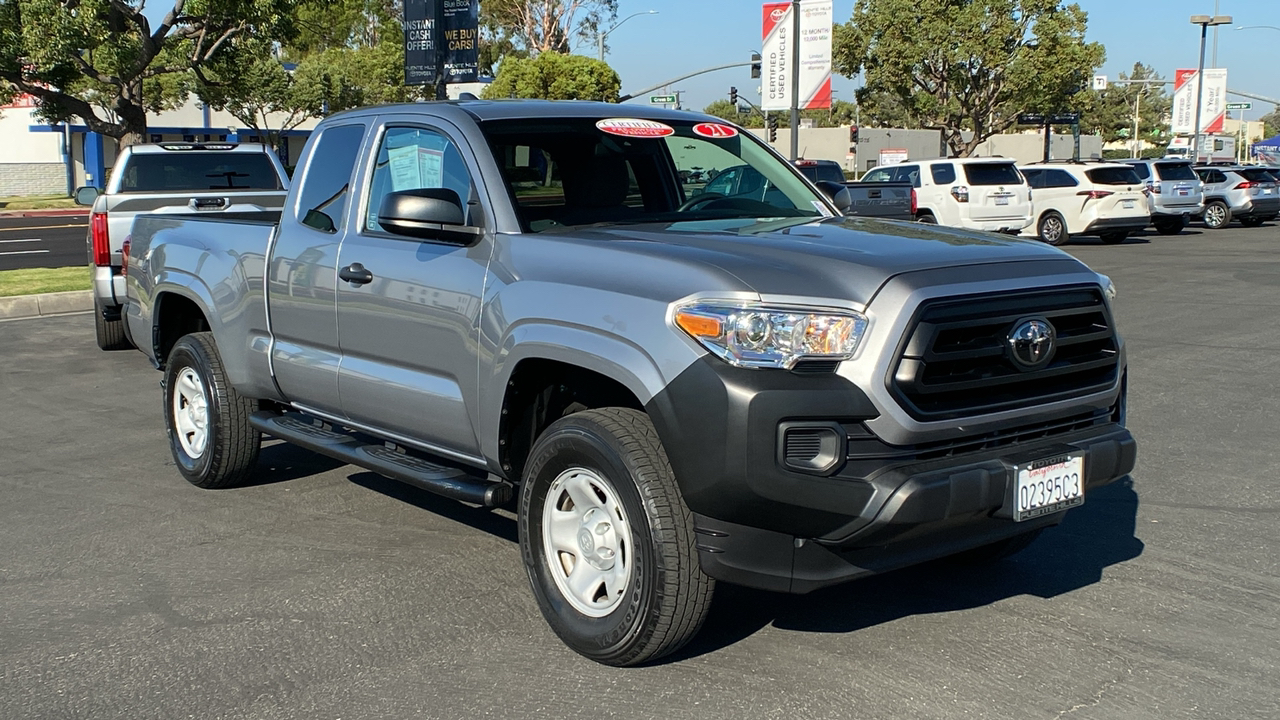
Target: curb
[(41, 304), (53, 212)]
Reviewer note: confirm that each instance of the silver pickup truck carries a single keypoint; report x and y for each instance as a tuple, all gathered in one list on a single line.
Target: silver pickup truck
[(168, 178), (522, 302)]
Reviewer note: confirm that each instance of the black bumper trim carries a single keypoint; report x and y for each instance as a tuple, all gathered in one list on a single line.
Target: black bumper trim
[(1116, 224)]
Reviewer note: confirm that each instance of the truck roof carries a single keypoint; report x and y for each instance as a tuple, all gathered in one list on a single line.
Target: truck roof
[(211, 146), (514, 109)]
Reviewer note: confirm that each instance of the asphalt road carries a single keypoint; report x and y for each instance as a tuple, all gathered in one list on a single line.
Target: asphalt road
[(327, 592), (43, 242)]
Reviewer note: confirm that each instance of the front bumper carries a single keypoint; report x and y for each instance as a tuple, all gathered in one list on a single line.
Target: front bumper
[(763, 523)]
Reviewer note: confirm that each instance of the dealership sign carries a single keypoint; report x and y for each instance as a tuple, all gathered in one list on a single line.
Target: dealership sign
[(1213, 105), (815, 55), (441, 34)]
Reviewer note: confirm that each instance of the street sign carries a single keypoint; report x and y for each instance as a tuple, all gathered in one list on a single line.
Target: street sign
[(1099, 82), (1240, 106), (1031, 119), (662, 99), (1070, 118)]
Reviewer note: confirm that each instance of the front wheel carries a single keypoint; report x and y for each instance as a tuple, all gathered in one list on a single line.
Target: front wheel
[(1053, 229), (1216, 215), (1114, 238), (1170, 226), (607, 540), (207, 421), (1252, 222)]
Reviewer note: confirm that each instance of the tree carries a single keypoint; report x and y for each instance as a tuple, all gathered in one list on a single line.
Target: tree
[(538, 26), (1271, 123), (250, 83), (968, 67), (1110, 112), (102, 60), (554, 76)]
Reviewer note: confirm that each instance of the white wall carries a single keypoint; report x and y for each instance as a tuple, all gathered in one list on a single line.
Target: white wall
[(19, 145)]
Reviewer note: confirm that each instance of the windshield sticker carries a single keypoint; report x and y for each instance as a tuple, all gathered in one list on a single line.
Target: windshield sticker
[(715, 130), (632, 127)]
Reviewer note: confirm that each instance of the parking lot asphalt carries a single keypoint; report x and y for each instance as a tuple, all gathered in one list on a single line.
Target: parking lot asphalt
[(43, 242), (324, 591)]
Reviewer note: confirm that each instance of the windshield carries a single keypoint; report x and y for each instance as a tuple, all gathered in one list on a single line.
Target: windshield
[(992, 174), (183, 171), (1113, 176), (567, 172), (1175, 171)]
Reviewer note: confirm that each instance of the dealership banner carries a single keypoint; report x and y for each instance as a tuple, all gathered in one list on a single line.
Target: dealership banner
[(459, 20), (815, 55), (421, 41), (1213, 104)]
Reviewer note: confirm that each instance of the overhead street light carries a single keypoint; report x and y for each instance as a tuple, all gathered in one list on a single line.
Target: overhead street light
[(1205, 22), (601, 35), (1257, 27)]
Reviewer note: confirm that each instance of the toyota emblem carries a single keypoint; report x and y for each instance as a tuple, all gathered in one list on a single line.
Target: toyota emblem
[(1031, 343)]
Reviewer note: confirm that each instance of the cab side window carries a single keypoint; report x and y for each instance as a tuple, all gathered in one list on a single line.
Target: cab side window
[(908, 173), (1035, 178), (412, 158), (880, 175), (943, 173), (1059, 179), (327, 185)]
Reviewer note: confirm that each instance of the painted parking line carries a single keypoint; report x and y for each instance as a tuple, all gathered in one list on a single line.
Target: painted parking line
[(42, 227), (18, 241), (23, 252)]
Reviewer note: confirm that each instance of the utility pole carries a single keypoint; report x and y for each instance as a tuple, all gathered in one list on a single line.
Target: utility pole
[(1137, 103), (795, 79)]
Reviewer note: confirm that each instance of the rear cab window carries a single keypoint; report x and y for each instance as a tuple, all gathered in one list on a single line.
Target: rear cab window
[(1175, 171), (992, 174), (1113, 176), (198, 171)]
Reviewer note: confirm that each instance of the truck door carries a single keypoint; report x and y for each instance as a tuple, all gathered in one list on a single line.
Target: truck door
[(408, 312), (301, 274)]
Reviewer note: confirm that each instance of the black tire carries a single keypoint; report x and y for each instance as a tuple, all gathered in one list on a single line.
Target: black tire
[(666, 598), (1170, 226), (1114, 238), (927, 218), (1216, 216), (230, 448), (110, 332), (997, 551), (1251, 222), (1052, 229)]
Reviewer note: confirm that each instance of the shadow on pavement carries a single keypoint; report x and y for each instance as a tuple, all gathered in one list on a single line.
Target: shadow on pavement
[(280, 461), (1073, 555), (483, 519)]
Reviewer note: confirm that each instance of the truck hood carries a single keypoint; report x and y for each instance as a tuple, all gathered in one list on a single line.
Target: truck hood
[(848, 258)]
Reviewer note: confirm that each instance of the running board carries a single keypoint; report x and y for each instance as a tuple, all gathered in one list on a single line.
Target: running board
[(449, 480)]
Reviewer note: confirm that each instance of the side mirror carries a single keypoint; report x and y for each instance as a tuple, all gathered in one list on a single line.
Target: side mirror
[(838, 193), (430, 213), (87, 195)]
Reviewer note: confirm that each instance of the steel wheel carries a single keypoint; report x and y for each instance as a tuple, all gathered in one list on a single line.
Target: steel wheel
[(191, 413), (586, 541)]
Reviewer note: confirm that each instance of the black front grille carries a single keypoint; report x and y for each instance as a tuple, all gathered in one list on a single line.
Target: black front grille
[(955, 361)]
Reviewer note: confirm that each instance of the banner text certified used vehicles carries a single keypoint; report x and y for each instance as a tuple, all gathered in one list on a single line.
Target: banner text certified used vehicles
[(525, 304)]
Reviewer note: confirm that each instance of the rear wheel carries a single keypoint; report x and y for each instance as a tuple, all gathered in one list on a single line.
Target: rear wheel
[(607, 540), (1216, 215), (1169, 226), (1114, 238), (207, 421), (1053, 229), (927, 218), (110, 332), (1251, 222)]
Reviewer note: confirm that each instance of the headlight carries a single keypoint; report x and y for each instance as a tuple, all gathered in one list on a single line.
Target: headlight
[(1108, 287), (771, 337)]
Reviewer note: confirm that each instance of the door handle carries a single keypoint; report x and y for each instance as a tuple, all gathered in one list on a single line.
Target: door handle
[(355, 274)]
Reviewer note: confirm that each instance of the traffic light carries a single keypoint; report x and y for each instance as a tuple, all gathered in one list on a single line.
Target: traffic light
[(771, 122), (733, 95), (853, 138), (755, 64)]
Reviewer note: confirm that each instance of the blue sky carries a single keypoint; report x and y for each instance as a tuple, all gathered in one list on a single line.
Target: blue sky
[(689, 35)]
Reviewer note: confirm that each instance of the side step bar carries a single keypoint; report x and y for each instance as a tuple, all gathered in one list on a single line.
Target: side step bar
[(449, 480)]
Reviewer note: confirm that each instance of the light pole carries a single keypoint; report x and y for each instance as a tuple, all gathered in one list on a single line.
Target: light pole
[(1257, 27), (601, 35), (1204, 21)]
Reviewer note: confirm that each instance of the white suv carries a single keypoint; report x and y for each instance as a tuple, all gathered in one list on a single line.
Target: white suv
[(1086, 198), (973, 193)]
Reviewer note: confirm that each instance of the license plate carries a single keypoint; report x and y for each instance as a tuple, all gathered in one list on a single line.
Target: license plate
[(1126, 204), (1002, 200), (1267, 191), (1049, 486), (1184, 192)]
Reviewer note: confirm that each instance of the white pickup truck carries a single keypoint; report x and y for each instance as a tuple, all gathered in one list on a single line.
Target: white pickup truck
[(169, 178)]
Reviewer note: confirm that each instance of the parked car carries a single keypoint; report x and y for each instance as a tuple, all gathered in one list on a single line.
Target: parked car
[(668, 388), (890, 201), (972, 193), (1247, 194), (1085, 198), (1176, 193), (821, 170), (212, 178)]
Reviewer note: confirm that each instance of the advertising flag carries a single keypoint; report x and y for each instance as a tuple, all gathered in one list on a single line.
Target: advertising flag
[(440, 32), (1213, 109), (815, 55), (421, 41)]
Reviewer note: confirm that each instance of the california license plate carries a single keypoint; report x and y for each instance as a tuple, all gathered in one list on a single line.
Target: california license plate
[(1002, 200), (1183, 191), (1126, 204), (1048, 486)]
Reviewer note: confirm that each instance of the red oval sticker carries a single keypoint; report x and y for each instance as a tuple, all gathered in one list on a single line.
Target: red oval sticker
[(633, 127), (715, 130)]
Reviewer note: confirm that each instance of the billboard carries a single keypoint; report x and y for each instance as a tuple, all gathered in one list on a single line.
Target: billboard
[(440, 31), (1213, 104), (815, 55)]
